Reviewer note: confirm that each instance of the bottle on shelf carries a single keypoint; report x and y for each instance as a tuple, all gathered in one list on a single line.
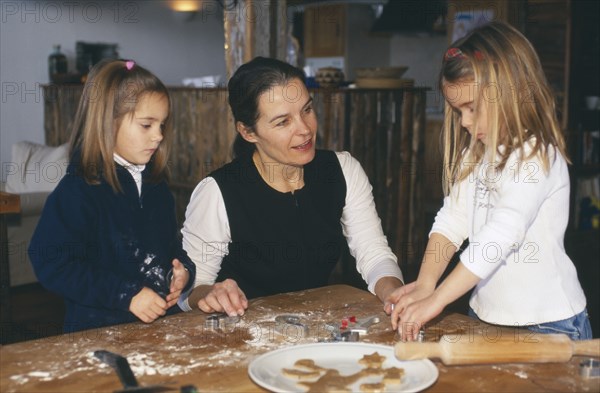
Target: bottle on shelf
[(57, 64)]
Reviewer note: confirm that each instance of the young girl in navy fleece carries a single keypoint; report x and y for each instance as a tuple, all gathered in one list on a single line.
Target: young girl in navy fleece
[(107, 240)]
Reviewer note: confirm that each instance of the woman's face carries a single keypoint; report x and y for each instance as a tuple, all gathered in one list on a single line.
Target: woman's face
[(462, 97), (286, 128)]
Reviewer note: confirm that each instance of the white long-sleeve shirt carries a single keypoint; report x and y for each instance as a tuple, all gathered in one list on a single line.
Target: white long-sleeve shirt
[(515, 221), (206, 232)]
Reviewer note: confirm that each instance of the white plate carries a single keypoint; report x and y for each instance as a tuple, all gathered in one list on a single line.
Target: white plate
[(265, 370)]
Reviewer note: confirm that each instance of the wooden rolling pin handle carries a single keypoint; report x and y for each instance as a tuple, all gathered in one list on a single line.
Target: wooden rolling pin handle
[(418, 350), (587, 347)]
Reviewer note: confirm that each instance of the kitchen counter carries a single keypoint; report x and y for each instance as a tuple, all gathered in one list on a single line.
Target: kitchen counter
[(178, 350)]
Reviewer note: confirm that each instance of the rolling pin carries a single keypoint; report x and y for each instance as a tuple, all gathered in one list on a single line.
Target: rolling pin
[(477, 349)]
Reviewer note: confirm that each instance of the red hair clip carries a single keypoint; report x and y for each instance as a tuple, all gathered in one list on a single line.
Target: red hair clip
[(451, 53)]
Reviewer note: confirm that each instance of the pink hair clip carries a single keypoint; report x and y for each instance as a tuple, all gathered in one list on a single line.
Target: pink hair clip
[(455, 52), (129, 64)]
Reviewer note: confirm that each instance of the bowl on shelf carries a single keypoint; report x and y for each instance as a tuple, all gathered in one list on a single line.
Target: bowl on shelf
[(329, 77), (380, 72)]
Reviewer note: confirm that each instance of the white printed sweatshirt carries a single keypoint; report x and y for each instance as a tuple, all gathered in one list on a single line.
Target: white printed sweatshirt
[(515, 221)]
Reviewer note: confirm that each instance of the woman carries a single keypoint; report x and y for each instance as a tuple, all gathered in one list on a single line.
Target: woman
[(275, 218)]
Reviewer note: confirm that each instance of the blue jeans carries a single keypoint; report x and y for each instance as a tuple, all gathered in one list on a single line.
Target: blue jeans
[(577, 327)]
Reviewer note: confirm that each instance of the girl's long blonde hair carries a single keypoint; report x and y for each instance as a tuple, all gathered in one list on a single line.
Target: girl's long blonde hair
[(111, 92), (508, 78)]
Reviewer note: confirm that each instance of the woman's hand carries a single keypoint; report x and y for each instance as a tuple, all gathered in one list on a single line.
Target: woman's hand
[(178, 282), (224, 296), (386, 289), (391, 297), (147, 305)]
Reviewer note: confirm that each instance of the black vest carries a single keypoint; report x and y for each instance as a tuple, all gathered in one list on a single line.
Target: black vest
[(282, 242)]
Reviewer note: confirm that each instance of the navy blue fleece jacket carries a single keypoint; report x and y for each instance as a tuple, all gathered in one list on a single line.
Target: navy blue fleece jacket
[(98, 248)]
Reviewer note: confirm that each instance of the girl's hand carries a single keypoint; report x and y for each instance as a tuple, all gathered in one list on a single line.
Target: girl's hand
[(414, 316), (226, 297), (411, 293), (387, 289), (147, 305), (178, 282), (425, 303)]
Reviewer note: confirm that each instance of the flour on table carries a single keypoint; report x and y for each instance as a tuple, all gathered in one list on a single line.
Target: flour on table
[(82, 364), (39, 374), (20, 379)]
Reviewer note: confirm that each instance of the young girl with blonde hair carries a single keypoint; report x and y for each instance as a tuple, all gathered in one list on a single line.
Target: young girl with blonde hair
[(107, 240), (507, 188)]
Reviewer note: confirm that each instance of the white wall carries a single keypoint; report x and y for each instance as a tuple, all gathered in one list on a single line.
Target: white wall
[(364, 49), (423, 56), (145, 31), (148, 32)]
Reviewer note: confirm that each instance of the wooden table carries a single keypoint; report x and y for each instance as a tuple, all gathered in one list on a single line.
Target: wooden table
[(179, 350)]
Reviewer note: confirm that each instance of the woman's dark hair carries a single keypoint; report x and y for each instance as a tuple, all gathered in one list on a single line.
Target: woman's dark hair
[(245, 87)]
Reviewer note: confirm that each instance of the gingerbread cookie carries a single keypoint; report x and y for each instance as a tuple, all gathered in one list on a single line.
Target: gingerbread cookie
[(373, 360), (301, 375), (331, 381), (370, 371), (308, 364), (321, 379), (372, 387), (392, 375)]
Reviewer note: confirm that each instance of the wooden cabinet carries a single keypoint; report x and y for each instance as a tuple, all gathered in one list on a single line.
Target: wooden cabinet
[(325, 31), (483, 11), (548, 27)]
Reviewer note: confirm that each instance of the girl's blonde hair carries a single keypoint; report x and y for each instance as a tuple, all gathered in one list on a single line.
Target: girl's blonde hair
[(111, 92), (507, 77)]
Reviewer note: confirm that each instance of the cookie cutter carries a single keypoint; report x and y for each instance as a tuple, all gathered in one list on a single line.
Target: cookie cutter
[(589, 368), (290, 324), (362, 325), (336, 335), (293, 320), (221, 322), (296, 326), (349, 336), (351, 332)]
